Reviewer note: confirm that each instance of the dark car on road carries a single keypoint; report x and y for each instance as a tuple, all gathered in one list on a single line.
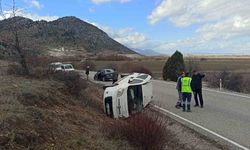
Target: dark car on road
[(104, 75)]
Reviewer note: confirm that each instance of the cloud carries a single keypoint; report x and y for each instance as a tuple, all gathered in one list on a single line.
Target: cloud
[(31, 16), (187, 12), (221, 25), (34, 3), (108, 1), (126, 36)]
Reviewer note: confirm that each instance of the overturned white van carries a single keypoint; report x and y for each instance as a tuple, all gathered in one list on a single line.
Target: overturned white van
[(128, 95)]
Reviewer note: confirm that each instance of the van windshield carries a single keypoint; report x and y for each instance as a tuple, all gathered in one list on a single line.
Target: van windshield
[(143, 76), (68, 67), (58, 66), (135, 81)]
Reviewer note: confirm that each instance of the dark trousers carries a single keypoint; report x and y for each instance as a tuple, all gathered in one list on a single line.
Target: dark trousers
[(186, 100), (198, 92)]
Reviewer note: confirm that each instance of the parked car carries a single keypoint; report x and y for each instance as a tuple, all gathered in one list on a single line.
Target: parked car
[(104, 74), (67, 67), (55, 67)]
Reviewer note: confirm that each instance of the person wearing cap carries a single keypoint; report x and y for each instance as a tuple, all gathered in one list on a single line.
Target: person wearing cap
[(186, 92), (197, 88), (178, 88)]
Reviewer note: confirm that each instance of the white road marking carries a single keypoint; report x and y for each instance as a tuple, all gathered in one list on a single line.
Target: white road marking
[(203, 128)]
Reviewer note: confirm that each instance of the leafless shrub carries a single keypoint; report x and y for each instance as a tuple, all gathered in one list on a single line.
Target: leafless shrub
[(132, 67), (231, 81), (203, 59), (39, 73), (246, 83), (112, 66), (91, 65), (73, 82), (192, 64), (15, 69), (146, 131)]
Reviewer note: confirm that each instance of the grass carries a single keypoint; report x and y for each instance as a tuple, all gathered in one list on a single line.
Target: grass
[(42, 114), (155, 65)]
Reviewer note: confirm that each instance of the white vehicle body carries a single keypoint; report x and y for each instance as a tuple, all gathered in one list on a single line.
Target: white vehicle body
[(67, 67), (55, 66), (128, 96)]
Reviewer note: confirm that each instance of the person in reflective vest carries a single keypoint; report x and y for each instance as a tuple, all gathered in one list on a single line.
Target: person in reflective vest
[(186, 92), (178, 87)]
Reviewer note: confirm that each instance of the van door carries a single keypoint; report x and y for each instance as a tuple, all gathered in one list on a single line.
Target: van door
[(135, 99)]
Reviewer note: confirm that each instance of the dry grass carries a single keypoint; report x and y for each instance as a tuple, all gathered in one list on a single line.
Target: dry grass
[(147, 131), (44, 114), (206, 64)]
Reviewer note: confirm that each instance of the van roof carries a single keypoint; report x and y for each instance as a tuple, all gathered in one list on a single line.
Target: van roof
[(135, 79)]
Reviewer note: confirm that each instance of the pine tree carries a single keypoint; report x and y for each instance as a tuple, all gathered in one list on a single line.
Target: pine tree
[(173, 66)]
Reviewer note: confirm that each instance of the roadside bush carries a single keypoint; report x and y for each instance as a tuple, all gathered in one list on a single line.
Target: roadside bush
[(39, 73), (231, 81), (246, 83), (15, 69), (91, 65), (112, 66), (234, 82), (213, 79), (73, 81), (146, 131), (39, 61)]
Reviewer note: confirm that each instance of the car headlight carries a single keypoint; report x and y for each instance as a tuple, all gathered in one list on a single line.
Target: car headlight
[(120, 92)]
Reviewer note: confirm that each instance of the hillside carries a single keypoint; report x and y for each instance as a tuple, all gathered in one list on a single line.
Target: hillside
[(64, 34)]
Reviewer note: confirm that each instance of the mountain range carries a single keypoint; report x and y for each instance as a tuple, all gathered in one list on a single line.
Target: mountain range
[(64, 34), (147, 52)]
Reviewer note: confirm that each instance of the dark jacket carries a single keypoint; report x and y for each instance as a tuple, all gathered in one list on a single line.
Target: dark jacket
[(115, 76), (87, 71), (196, 83)]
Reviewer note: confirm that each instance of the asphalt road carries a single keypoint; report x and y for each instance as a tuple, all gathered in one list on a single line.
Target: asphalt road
[(226, 114)]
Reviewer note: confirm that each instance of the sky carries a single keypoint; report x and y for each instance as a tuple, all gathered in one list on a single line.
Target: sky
[(190, 26)]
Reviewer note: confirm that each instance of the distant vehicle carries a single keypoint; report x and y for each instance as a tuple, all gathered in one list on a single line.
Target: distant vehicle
[(55, 67), (128, 96), (104, 74), (58, 66), (67, 67)]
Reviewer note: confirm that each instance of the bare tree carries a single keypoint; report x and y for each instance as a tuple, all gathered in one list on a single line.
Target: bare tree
[(192, 64), (16, 36)]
